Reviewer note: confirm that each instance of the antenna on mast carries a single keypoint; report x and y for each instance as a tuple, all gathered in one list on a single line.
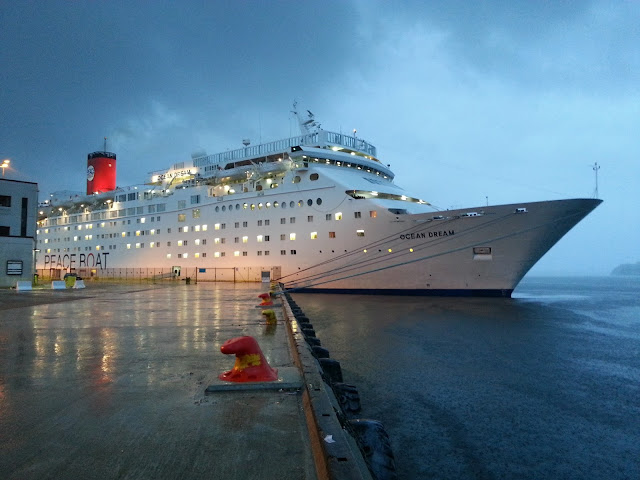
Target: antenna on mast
[(596, 167), (105, 144)]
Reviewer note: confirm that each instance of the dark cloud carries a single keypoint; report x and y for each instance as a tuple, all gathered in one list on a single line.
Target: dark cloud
[(511, 100)]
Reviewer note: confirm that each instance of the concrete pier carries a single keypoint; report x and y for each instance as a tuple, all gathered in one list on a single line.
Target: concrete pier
[(109, 382)]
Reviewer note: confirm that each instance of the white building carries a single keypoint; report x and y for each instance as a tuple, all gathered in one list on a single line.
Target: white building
[(18, 208)]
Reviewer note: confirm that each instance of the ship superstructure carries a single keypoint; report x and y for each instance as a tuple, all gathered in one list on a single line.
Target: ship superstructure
[(317, 211)]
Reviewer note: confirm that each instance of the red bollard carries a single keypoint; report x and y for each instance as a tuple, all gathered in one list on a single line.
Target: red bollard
[(250, 366), (266, 300)]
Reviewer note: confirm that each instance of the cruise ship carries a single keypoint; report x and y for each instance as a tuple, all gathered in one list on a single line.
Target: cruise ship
[(317, 212)]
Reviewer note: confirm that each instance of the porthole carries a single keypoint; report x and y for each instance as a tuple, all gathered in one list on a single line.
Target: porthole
[(309, 202), (296, 179), (224, 208), (275, 204), (319, 201), (300, 203), (313, 176), (217, 209), (284, 204), (292, 204), (237, 206)]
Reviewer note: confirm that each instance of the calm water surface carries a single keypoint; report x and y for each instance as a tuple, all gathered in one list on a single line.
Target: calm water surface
[(543, 385)]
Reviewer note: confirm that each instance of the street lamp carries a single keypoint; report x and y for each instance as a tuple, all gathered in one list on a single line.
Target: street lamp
[(5, 164)]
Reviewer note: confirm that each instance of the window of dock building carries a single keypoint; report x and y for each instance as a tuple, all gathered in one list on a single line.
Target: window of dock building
[(236, 240), (245, 239), (259, 238), (266, 252), (168, 255), (338, 216), (266, 222), (360, 233), (357, 214), (168, 244), (128, 246), (196, 228), (373, 213), (182, 217), (216, 254), (283, 221), (236, 253), (259, 252), (237, 225), (332, 234), (196, 255), (195, 213), (204, 228), (259, 223), (244, 254), (292, 236), (151, 245), (182, 203), (204, 254), (309, 218), (179, 243), (216, 226), (328, 216), (283, 252), (292, 220), (293, 252), (314, 235), (204, 241), (283, 236), (266, 238), (245, 224), (195, 199)]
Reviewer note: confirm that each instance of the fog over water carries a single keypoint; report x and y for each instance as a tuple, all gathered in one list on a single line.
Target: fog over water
[(496, 101)]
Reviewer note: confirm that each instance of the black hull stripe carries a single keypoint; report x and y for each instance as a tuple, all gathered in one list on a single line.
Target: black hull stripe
[(505, 293)]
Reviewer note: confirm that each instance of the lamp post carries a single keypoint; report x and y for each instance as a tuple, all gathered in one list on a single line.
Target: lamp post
[(5, 164)]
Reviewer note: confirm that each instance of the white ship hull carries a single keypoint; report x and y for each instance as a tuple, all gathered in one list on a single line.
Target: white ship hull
[(317, 220)]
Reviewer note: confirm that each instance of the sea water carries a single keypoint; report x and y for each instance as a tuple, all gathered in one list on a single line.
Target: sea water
[(543, 385)]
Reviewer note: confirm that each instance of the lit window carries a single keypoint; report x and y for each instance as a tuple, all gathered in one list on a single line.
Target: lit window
[(245, 239), (137, 233), (216, 254), (137, 245), (259, 238), (196, 255), (332, 234), (197, 241), (197, 228), (236, 253), (185, 229), (216, 241), (373, 213), (182, 217), (168, 255), (185, 255), (179, 243), (128, 246), (216, 226), (152, 244), (204, 228), (314, 235), (338, 216), (360, 233), (292, 236)]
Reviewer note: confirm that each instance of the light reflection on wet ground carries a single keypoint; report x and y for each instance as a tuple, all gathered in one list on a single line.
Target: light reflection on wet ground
[(109, 383)]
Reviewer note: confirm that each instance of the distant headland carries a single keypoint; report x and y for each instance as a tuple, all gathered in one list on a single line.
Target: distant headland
[(627, 269)]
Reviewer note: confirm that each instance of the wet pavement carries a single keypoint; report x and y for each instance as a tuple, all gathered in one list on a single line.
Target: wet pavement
[(109, 382)]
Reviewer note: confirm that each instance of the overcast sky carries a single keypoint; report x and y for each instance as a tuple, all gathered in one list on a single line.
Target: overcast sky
[(514, 101)]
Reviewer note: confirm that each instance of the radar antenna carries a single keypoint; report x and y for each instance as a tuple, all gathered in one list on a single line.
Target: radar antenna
[(306, 123)]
